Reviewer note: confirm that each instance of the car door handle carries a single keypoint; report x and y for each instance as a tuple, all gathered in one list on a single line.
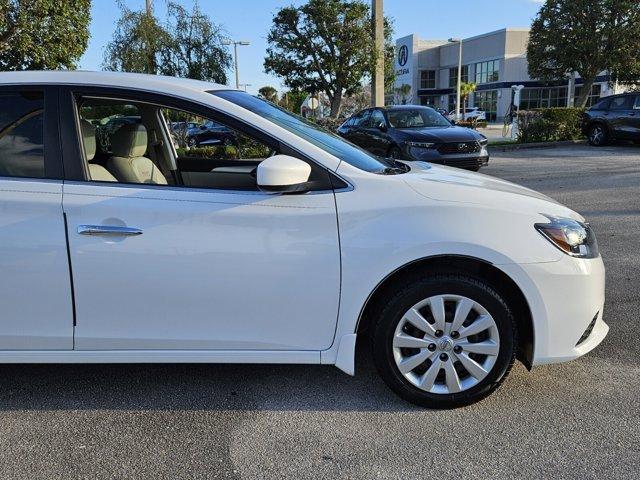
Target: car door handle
[(108, 230)]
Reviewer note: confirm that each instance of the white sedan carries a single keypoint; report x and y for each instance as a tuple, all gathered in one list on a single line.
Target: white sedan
[(472, 113), (285, 247)]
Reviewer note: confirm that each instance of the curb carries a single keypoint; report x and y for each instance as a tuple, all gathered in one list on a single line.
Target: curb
[(526, 146)]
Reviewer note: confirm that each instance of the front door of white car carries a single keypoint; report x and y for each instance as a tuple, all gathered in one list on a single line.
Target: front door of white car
[(162, 267)]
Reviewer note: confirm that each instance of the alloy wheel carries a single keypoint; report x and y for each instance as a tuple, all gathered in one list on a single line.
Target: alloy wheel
[(446, 344), (597, 135)]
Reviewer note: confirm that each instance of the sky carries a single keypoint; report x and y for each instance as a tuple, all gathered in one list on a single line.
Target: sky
[(251, 19)]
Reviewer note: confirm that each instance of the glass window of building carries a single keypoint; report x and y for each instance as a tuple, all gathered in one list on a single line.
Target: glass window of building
[(487, 100), (428, 79), (429, 100), (594, 95), (532, 98), (453, 76), (487, 72)]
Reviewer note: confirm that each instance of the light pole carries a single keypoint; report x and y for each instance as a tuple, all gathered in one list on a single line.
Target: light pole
[(377, 80), (459, 42), (245, 85), (235, 56)]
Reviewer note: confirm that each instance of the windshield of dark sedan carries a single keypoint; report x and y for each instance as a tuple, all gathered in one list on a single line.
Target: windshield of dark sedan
[(416, 118), (311, 132)]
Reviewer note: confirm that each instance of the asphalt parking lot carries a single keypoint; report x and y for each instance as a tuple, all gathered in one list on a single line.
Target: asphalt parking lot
[(579, 420)]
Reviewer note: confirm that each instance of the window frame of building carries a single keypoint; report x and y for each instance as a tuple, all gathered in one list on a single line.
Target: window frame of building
[(487, 101), (543, 97), (428, 81), (487, 72), (429, 100), (453, 76), (594, 95)]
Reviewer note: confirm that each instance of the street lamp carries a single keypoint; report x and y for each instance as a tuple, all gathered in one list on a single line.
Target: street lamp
[(235, 56), (459, 42)]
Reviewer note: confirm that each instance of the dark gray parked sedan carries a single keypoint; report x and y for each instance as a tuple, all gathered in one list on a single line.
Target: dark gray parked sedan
[(411, 132)]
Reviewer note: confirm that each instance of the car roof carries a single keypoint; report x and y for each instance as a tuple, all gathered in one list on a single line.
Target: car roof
[(404, 107), (154, 83)]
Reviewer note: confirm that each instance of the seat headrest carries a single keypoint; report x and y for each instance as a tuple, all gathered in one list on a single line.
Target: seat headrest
[(88, 139), (129, 141)]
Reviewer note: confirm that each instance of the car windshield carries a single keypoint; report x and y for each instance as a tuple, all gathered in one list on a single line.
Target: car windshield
[(416, 118), (311, 132)]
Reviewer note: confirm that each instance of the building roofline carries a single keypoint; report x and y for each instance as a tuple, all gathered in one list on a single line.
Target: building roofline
[(467, 39)]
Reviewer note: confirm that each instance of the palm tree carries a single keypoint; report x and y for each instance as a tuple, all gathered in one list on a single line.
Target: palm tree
[(403, 91), (466, 89), (269, 93)]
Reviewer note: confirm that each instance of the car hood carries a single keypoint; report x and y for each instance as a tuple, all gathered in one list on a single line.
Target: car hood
[(440, 134), (455, 185)]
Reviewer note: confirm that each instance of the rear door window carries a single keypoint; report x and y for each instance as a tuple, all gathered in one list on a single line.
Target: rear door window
[(22, 134)]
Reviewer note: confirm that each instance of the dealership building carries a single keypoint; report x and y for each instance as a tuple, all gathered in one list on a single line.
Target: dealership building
[(427, 74)]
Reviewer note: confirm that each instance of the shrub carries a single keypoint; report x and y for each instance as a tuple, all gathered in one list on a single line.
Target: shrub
[(549, 125), (329, 123)]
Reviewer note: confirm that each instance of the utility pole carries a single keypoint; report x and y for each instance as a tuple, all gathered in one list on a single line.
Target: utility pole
[(459, 41), (235, 57), (377, 80), (149, 7)]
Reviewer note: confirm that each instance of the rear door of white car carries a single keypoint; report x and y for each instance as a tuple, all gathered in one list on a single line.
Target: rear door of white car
[(177, 267), (35, 292)]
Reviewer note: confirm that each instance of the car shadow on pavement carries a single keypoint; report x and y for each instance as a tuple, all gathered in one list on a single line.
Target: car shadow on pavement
[(148, 387)]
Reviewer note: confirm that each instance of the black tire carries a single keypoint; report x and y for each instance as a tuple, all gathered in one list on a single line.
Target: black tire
[(474, 169), (395, 153), (598, 135), (416, 289)]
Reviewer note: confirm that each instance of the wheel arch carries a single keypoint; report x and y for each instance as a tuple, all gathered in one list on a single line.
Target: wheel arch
[(463, 264)]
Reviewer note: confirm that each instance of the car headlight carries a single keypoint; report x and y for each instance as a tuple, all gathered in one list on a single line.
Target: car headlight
[(571, 236), (420, 144)]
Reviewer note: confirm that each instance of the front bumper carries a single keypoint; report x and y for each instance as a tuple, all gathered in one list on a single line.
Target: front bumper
[(460, 160), (565, 297)]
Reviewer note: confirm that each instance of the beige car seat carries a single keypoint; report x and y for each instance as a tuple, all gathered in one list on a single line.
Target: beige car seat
[(129, 144), (96, 172)]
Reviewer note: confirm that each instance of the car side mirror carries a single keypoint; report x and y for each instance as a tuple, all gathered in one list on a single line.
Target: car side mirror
[(382, 127), (283, 174)]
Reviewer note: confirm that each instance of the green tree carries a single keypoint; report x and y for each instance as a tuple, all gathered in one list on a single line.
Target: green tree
[(196, 47), (403, 92), (138, 43), (43, 34), (269, 93), (324, 46), (293, 100), (466, 89), (587, 37), (188, 45)]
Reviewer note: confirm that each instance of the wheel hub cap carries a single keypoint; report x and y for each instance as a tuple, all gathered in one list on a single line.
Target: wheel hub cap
[(456, 364)]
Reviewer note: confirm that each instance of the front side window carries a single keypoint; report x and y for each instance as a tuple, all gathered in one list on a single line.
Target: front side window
[(622, 103), (312, 133), (362, 120), (416, 118), (377, 119), (22, 134), (122, 142)]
